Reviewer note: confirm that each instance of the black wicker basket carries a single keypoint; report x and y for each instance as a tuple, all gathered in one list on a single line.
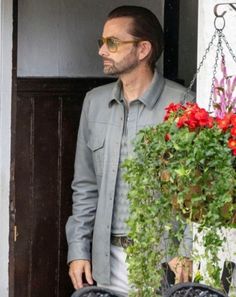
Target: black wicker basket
[(193, 290), (93, 291)]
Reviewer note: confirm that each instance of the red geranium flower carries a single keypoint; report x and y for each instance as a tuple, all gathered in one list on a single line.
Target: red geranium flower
[(232, 143), (182, 121), (233, 131), (195, 117), (203, 118), (233, 119), (172, 108), (167, 137), (210, 122), (192, 123), (224, 123)]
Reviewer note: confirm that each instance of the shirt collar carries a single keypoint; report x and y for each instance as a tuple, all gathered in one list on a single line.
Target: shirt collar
[(116, 93), (150, 96)]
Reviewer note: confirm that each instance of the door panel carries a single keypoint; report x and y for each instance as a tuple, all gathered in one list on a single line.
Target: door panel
[(23, 192), (46, 136)]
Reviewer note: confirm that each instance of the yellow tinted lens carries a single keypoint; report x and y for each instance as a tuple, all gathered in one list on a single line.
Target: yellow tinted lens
[(111, 44)]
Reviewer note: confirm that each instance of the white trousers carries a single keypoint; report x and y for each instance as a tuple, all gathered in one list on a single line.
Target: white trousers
[(119, 272)]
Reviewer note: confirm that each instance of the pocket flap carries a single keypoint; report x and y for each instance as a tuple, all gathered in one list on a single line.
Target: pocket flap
[(95, 143)]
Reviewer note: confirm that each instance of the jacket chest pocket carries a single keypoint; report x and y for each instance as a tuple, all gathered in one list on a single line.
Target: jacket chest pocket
[(97, 146)]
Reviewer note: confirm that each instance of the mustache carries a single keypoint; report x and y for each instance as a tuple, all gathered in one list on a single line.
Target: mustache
[(108, 60)]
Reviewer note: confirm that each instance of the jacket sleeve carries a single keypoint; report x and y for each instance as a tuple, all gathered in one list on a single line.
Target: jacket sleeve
[(79, 227)]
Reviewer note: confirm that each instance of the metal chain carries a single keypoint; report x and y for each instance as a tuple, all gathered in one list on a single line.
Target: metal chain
[(218, 32), (219, 50), (229, 47), (200, 66)]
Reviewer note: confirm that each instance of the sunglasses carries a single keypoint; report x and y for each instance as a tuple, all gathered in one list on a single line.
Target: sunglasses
[(113, 43)]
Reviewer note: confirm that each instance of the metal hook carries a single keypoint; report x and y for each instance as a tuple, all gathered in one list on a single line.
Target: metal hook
[(224, 12), (232, 5)]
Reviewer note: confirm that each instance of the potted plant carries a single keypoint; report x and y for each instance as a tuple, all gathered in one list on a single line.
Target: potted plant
[(184, 170)]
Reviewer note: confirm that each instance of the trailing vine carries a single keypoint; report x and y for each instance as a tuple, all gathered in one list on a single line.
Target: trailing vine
[(180, 174)]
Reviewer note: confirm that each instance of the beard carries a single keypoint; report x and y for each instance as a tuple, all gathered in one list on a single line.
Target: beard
[(126, 65)]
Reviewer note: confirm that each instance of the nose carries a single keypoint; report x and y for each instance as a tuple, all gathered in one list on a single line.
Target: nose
[(103, 50)]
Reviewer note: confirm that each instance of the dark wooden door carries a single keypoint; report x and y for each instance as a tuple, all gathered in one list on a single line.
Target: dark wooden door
[(47, 119)]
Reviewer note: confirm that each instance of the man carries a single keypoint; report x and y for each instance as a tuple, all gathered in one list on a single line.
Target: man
[(131, 43)]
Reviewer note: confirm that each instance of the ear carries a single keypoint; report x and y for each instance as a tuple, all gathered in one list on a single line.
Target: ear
[(145, 48)]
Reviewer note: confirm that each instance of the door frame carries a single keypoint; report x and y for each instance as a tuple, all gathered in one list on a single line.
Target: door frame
[(6, 27), (12, 210)]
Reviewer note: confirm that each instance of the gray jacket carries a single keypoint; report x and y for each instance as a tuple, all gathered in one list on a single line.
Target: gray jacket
[(96, 166)]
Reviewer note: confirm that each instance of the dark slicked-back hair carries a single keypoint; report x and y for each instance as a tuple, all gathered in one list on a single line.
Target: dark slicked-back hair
[(146, 26)]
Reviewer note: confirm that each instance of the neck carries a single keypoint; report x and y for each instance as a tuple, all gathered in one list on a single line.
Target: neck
[(136, 82)]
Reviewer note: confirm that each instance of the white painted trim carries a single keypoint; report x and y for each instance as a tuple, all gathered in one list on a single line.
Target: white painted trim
[(6, 28)]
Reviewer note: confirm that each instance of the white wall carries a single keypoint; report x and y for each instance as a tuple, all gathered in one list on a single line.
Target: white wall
[(59, 38), (5, 122), (205, 31)]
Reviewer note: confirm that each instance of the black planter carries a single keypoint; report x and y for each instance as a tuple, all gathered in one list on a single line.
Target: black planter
[(93, 291)]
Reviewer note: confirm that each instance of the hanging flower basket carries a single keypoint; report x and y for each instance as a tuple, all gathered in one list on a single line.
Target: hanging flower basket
[(184, 168)]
